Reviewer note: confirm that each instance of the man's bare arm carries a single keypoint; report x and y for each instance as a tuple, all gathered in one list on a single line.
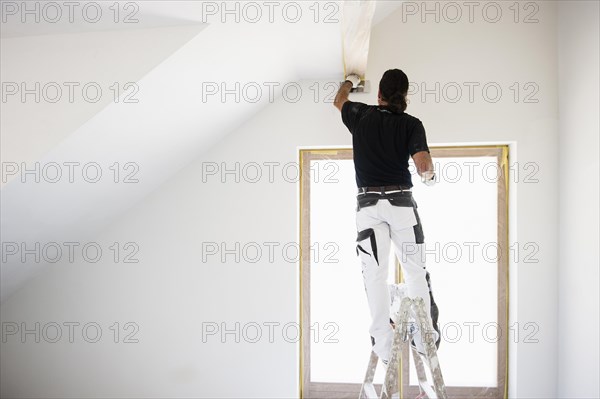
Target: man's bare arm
[(342, 95), (423, 162)]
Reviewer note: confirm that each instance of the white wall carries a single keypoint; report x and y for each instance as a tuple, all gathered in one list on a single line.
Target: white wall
[(578, 274), (171, 291)]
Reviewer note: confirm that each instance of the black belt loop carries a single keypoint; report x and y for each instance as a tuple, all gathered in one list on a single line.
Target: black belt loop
[(382, 190)]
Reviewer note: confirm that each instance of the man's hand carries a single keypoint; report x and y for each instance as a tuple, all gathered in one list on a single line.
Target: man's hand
[(351, 82), (424, 166), (354, 79), (428, 178)]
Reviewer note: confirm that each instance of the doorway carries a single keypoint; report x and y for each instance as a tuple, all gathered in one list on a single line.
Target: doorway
[(464, 218)]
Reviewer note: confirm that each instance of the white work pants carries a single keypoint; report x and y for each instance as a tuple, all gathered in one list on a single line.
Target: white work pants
[(378, 226)]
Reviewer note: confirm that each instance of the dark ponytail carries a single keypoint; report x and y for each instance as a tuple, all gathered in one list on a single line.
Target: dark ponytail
[(394, 88)]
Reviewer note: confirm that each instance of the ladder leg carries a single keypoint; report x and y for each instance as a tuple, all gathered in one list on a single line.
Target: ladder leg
[(424, 386), (430, 350), (390, 384), (367, 391)]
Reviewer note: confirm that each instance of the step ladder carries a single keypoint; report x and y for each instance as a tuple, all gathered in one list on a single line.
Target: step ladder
[(410, 314)]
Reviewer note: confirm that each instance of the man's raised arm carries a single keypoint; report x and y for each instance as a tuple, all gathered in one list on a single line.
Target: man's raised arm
[(341, 97)]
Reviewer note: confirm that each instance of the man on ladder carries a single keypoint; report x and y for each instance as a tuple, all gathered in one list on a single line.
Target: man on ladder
[(383, 138)]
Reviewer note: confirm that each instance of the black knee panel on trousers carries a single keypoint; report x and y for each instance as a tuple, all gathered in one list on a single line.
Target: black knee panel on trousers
[(363, 235)]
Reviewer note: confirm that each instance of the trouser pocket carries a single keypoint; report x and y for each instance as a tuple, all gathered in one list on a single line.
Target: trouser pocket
[(407, 216), (364, 201)]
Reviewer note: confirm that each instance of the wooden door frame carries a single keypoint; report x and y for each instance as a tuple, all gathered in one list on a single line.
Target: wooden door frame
[(349, 390)]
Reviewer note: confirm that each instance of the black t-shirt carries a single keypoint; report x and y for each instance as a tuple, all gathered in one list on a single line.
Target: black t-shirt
[(383, 142)]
